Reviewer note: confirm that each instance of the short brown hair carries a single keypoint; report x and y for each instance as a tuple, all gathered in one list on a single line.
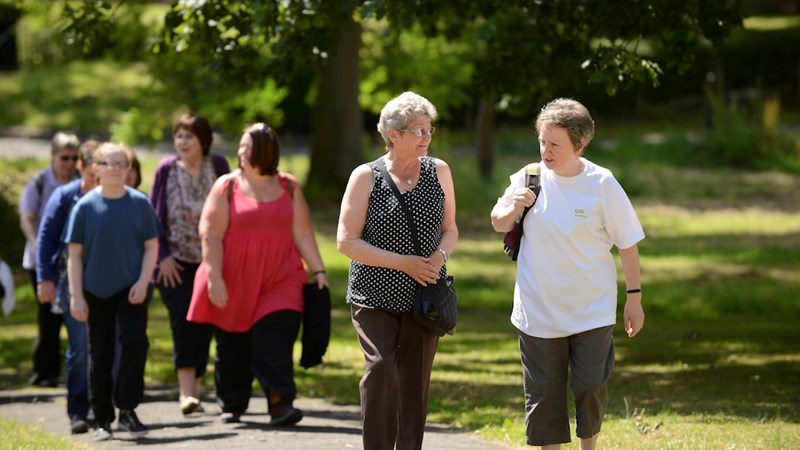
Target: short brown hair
[(198, 126), (266, 153), (570, 114)]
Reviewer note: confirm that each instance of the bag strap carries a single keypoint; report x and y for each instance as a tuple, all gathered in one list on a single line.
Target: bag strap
[(532, 182), (381, 165)]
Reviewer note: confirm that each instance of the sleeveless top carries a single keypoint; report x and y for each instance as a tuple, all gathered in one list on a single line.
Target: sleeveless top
[(386, 227), (262, 269)]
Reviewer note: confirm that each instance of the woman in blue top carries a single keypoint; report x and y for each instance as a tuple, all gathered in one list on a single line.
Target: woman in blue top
[(113, 245)]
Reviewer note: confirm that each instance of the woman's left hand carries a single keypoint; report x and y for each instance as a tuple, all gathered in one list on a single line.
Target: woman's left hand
[(633, 316), (322, 279)]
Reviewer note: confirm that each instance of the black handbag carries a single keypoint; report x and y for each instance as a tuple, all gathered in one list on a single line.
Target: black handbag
[(513, 238), (435, 306)]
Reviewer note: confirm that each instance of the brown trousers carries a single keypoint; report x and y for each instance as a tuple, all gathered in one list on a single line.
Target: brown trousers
[(394, 389)]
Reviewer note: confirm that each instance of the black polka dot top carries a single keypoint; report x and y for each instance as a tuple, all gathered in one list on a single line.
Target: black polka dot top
[(386, 227)]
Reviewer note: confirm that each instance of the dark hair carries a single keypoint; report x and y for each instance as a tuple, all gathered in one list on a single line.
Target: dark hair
[(136, 166), (86, 151), (197, 125), (266, 151)]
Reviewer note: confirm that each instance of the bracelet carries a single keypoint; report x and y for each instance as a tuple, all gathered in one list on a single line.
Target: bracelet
[(444, 253), (319, 272), (633, 291)]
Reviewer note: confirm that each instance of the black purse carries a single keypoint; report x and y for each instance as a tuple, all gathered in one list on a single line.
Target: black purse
[(513, 238), (435, 306)]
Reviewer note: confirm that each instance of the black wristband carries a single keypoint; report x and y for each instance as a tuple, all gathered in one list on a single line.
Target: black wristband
[(633, 291), (319, 272)]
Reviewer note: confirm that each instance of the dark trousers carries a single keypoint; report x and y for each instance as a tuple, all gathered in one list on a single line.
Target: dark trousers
[(394, 389), (547, 365), (264, 352), (190, 341), (47, 349), (127, 390)]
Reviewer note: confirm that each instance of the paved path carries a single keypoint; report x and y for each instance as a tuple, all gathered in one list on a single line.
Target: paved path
[(325, 426)]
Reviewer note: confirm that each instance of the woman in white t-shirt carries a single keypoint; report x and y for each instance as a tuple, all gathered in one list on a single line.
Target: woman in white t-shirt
[(565, 295)]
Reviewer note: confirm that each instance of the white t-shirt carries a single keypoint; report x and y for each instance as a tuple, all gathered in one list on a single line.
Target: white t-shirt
[(566, 275)]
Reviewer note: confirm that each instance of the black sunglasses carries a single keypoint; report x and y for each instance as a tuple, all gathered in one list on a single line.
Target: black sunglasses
[(68, 157)]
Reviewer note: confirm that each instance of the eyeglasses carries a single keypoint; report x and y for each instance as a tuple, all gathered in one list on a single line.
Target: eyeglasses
[(419, 132), (115, 164), (67, 158)]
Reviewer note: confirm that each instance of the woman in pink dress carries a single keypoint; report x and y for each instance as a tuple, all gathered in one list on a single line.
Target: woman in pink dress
[(256, 233)]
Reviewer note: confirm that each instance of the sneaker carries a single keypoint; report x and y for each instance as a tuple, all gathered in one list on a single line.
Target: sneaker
[(78, 425), (230, 417), (189, 405), (128, 421), (284, 414), (102, 432), (199, 408)]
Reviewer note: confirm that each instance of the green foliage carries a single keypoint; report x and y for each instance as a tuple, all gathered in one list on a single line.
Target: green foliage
[(754, 140), (393, 61)]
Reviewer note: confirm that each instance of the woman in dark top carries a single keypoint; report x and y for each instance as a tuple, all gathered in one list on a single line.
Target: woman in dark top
[(374, 233), (180, 188)]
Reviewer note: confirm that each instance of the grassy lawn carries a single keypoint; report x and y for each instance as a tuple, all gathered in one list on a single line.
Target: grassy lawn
[(716, 366)]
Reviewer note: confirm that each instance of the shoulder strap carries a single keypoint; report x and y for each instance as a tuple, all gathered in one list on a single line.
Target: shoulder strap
[(229, 188), (39, 181), (382, 167), (288, 183)]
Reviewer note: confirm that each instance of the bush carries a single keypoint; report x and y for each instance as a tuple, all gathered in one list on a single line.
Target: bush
[(755, 140)]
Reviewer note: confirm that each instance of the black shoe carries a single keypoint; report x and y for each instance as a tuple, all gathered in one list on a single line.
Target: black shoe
[(230, 417), (284, 414), (35, 380), (128, 421), (78, 425), (102, 432)]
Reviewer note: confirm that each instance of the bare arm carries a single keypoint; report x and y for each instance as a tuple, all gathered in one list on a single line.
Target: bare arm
[(28, 223), (504, 216), (449, 227), (633, 316), (352, 218), (77, 304), (213, 224), (138, 292), (304, 240)]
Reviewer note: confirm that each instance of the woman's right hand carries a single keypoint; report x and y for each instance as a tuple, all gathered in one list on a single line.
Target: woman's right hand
[(169, 272), (217, 292), (421, 270), (523, 198)]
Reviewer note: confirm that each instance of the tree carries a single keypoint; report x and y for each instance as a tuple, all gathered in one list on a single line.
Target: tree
[(527, 51)]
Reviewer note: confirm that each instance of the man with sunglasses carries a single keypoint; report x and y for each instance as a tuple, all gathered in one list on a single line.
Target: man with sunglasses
[(64, 159)]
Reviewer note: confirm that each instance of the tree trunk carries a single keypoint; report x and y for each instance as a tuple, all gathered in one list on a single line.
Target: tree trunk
[(336, 119), (484, 134)]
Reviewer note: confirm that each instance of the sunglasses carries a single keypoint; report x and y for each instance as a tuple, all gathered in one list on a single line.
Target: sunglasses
[(66, 158)]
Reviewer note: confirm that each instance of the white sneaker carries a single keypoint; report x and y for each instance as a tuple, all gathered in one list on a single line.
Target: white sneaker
[(102, 433), (189, 405)]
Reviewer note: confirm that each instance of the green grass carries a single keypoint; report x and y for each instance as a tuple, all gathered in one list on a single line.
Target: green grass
[(716, 366)]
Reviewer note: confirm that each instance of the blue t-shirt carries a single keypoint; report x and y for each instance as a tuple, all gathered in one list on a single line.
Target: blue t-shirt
[(113, 233), (49, 242)]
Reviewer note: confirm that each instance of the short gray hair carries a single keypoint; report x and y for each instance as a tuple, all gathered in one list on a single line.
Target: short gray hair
[(401, 110), (570, 114), (62, 140)]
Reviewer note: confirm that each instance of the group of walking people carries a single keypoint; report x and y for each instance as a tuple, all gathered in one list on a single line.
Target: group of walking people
[(229, 253)]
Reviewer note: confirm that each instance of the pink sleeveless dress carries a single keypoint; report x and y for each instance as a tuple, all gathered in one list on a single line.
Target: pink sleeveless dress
[(262, 269)]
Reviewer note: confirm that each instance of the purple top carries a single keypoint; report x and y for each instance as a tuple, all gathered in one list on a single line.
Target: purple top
[(158, 195)]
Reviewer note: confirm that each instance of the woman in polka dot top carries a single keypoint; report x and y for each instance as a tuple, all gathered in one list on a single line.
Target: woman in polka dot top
[(374, 233)]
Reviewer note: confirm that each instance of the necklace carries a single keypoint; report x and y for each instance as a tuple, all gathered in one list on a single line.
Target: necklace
[(409, 181)]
